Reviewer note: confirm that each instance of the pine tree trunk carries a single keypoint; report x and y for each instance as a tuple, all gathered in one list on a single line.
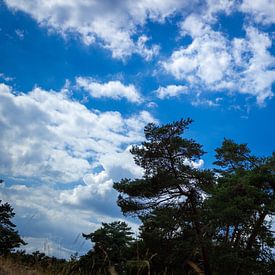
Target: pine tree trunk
[(255, 231), (205, 256)]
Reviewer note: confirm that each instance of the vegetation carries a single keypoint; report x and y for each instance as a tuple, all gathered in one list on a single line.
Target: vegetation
[(9, 237), (193, 220), (36, 263), (111, 245)]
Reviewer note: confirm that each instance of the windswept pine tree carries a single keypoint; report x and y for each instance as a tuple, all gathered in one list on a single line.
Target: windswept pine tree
[(170, 180)]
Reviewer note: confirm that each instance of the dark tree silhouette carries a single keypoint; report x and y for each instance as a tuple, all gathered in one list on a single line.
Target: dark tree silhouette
[(9, 237), (170, 179), (240, 211), (111, 244)]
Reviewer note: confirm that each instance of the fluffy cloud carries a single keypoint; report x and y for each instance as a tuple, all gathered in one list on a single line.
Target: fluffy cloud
[(47, 137), (254, 65), (205, 59), (171, 91), (262, 11), (52, 138), (114, 24), (51, 220), (213, 62), (111, 89), (120, 165), (95, 186)]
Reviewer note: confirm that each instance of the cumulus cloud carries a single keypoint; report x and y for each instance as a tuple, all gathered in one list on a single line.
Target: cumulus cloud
[(171, 91), (120, 165), (113, 24), (254, 73), (206, 58), (262, 11), (51, 220), (95, 185), (111, 89), (117, 25), (46, 135), (213, 62), (220, 6)]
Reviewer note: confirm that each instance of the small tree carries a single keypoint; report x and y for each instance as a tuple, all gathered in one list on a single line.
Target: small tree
[(9, 237), (111, 243)]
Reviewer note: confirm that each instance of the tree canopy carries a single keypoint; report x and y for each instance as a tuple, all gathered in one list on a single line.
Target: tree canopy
[(219, 220), (111, 244), (170, 178), (9, 237)]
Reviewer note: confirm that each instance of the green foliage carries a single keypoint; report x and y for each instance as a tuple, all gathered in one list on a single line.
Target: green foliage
[(9, 237), (240, 209), (169, 176), (218, 221), (168, 234), (170, 181), (111, 244)]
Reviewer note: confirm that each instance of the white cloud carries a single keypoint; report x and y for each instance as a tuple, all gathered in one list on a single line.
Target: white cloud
[(255, 72), (121, 165), (193, 25), (95, 185), (143, 50), (6, 78), (110, 23), (20, 34), (47, 136), (111, 89), (213, 7), (262, 11), (213, 62), (171, 91), (206, 59), (206, 102), (152, 104), (50, 219), (195, 164)]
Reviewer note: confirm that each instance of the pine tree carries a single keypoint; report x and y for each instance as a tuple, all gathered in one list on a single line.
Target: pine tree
[(170, 179), (240, 210), (9, 237), (111, 244)]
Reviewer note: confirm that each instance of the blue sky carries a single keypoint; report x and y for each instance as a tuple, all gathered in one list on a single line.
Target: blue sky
[(79, 80)]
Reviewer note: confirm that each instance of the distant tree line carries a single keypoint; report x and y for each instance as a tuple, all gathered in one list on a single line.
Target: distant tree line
[(193, 220)]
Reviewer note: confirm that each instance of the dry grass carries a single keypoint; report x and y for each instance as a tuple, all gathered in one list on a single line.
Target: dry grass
[(9, 267)]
